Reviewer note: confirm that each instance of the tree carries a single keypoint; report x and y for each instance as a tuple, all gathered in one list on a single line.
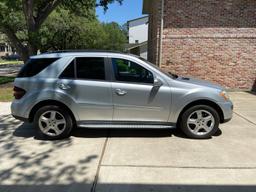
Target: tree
[(79, 33), (21, 20)]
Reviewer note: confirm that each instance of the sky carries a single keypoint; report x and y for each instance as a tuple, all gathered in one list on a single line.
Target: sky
[(130, 9)]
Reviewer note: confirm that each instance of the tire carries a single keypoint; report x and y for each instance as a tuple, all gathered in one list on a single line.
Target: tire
[(200, 127), (53, 122)]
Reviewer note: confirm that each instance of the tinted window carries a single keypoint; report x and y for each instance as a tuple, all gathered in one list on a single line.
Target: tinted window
[(35, 66), (90, 68), (69, 72), (131, 72)]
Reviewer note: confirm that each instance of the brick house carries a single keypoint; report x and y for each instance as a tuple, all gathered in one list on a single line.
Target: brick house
[(209, 39)]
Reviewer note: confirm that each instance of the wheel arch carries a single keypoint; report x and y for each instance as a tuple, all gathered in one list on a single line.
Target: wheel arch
[(49, 102), (204, 102)]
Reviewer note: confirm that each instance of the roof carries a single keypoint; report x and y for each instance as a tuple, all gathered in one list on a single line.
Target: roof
[(134, 45), (137, 19)]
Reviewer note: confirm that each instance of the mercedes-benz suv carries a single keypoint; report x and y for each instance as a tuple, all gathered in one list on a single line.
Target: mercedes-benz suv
[(59, 91)]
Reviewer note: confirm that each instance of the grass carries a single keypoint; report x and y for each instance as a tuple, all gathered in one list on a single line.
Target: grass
[(4, 80), (6, 94), (6, 62), (6, 89)]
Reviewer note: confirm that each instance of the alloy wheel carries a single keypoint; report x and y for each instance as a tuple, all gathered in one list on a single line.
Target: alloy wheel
[(200, 122), (52, 123)]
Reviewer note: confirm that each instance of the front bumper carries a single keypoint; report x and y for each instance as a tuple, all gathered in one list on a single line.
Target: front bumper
[(227, 109)]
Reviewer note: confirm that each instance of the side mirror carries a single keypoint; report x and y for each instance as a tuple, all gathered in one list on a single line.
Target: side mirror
[(157, 82)]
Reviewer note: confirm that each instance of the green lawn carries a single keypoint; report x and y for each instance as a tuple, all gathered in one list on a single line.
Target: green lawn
[(3, 62), (6, 89), (6, 94)]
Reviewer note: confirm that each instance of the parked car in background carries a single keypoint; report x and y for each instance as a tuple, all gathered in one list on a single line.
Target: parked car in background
[(11, 57), (59, 91)]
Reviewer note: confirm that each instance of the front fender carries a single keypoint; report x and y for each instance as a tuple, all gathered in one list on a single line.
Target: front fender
[(181, 98)]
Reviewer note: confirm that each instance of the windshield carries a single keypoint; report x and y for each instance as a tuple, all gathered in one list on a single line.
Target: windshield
[(169, 74)]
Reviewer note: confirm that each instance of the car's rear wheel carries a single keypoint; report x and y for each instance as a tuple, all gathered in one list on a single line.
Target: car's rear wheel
[(53, 122), (200, 122)]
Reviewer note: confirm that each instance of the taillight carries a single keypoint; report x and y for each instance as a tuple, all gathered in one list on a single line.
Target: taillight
[(18, 93)]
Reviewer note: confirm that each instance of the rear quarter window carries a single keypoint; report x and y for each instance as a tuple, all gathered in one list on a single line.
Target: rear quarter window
[(35, 66)]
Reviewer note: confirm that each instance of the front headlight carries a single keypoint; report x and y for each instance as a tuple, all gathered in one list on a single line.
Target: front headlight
[(224, 95)]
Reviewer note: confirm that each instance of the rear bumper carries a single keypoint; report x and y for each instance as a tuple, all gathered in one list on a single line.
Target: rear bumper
[(227, 109), (19, 110)]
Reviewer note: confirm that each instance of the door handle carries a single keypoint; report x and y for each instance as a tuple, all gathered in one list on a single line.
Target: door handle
[(63, 86), (120, 92)]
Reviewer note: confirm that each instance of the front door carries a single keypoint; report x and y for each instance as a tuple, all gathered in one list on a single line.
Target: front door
[(135, 98)]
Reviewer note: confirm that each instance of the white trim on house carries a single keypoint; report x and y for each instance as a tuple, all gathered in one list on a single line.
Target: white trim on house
[(138, 30)]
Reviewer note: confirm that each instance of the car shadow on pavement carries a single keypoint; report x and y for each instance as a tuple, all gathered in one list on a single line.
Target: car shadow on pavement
[(150, 133), (180, 134), (27, 130), (94, 133)]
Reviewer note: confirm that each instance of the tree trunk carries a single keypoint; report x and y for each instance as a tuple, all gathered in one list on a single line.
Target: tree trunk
[(33, 42), (34, 22), (24, 55), (16, 43)]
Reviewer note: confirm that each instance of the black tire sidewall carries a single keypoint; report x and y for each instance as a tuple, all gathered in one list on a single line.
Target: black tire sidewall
[(66, 115), (186, 114)]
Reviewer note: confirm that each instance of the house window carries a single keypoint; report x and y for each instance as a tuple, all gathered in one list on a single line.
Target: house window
[(136, 41), (2, 48)]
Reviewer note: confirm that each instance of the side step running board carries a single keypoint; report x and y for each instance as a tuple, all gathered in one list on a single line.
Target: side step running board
[(115, 125)]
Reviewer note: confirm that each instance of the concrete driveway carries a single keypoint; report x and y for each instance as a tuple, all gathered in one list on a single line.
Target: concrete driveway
[(131, 160)]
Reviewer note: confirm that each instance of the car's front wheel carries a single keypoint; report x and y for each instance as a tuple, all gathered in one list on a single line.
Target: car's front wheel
[(53, 122), (200, 122)]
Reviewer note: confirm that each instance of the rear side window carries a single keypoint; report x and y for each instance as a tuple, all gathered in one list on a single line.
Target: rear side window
[(69, 72), (90, 68), (35, 66)]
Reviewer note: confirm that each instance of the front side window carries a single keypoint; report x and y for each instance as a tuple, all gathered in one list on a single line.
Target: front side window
[(128, 71), (90, 68), (35, 66)]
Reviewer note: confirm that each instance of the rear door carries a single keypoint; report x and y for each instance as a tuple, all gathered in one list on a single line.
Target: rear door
[(90, 88)]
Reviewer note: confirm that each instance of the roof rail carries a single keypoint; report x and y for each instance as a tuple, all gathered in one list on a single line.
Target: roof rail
[(82, 50)]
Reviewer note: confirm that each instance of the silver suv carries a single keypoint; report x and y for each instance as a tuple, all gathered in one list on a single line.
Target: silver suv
[(59, 91)]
